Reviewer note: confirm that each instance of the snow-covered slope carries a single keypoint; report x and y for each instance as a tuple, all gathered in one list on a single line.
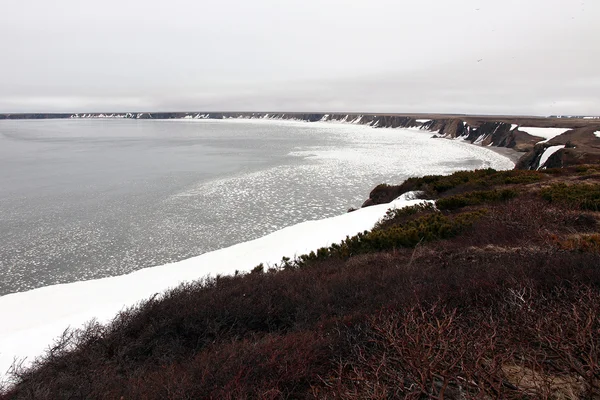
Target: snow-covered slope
[(546, 133), (546, 155), (33, 319)]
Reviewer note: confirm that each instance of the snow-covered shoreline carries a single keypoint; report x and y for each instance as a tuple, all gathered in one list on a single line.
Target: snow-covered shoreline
[(35, 318)]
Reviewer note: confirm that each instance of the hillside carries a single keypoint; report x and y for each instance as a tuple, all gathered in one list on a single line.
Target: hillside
[(493, 293)]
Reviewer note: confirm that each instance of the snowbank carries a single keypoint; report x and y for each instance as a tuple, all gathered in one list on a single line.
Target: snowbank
[(546, 133), (32, 320), (546, 155)]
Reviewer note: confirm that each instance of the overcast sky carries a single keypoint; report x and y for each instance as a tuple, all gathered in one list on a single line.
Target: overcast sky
[(470, 56)]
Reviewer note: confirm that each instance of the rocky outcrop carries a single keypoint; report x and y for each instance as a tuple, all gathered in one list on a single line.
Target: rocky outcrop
[(383, 194), (581, 146)]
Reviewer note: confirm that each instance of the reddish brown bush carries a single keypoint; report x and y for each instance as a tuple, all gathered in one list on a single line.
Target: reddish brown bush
[(498, 311)]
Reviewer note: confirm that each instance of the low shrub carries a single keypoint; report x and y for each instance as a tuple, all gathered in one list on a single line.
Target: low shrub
[(434, 185), (581, 242), (397, 216), (532, 345), (302, 333), (475, 198), (491, 311), (581, 195), (425, 228)]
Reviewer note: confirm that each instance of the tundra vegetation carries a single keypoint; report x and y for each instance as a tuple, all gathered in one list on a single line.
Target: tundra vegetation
[(494, 293)]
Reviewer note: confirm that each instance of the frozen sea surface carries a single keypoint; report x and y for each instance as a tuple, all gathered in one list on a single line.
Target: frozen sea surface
[(39, 316), (86, 199)]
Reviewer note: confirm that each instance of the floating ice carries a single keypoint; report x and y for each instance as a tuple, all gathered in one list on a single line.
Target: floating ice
[(35, 318)]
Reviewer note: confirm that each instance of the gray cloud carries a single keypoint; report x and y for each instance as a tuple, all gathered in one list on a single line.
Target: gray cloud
[(484, 56)]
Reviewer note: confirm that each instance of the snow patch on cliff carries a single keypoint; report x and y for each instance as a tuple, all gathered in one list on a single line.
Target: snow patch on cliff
[(546, 133), (546, 155)]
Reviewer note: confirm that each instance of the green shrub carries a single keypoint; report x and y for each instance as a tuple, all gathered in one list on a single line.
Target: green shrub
[(583, 196), (400, 215), (580, 242), (430, 227), (475, 198), (259, 269), (524, 177), (434, 185), (584, 170)]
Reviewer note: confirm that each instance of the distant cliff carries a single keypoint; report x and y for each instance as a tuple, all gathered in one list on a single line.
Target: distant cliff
[(577, 137)]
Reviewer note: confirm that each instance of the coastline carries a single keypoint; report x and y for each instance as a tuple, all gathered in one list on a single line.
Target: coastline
[(40, 315), (528, 135), (513, 155)]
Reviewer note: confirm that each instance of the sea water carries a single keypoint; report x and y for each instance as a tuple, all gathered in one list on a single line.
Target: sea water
[(86, 199)]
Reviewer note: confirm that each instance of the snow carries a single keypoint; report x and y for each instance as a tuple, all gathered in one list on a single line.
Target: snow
[(513, 126), (423, 121), (549, 151), (479, 140), (546, 133), (39, 316), (33, 319), (414, 195), (597, 133)]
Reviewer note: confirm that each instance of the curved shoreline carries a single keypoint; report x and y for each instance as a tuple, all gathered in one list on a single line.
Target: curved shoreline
[(40, 315), (509, 153), (354, 158)]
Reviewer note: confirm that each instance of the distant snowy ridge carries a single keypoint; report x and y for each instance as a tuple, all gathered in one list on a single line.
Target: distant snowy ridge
[(483, 132), (526, 135), (488, 134), (35, 318), (546, 133)]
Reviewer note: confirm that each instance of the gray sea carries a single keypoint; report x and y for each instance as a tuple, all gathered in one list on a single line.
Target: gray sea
[(85, 199)]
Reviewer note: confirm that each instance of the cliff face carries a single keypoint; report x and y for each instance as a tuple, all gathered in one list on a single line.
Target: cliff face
[(581, 145)]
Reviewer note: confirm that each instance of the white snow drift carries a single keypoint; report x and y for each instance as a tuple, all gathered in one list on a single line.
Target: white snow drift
[(32, 320), (546, 133), (547, 153)]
